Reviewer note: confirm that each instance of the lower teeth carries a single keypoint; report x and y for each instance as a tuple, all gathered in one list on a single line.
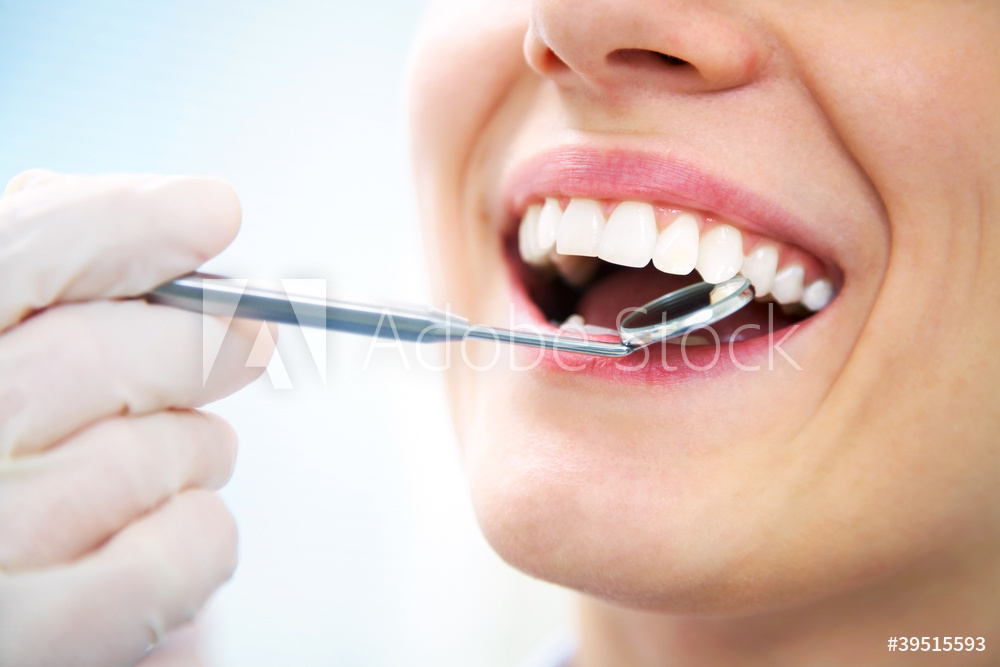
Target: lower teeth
[(573, 322), (577, 324)]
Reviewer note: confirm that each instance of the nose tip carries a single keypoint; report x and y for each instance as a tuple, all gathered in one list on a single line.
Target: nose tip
[(679, 45)]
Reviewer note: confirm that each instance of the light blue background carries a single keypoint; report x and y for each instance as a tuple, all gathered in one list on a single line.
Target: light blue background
[(358, 546)]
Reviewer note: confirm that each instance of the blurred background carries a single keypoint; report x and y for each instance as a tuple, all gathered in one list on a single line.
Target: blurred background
[(358, 545)]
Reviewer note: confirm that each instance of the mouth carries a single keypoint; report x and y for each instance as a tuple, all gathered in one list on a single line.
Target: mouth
[(582, 258)]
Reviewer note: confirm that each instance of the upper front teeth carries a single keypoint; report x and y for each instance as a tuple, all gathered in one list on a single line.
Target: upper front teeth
[(630, 236), (581, 229), (548, 224), (720, 254), (677, 246)]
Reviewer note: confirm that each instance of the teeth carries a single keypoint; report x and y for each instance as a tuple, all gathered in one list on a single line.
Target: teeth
[(581, 229), (527, 237), (760, 267), (788, 284), (593, 329), (571, 240), (720, 254), (576, 324), (630, 235), (575, 270), (818, 295), (722, 291), (676, 248), (548, 224)]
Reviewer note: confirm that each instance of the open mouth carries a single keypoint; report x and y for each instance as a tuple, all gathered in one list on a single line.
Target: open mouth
[(588, 262)]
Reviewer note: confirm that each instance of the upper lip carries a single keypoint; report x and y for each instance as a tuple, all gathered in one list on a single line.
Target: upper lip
[(620, 175)]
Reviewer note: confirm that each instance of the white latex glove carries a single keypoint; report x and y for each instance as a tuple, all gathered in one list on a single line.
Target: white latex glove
[(110, 535)]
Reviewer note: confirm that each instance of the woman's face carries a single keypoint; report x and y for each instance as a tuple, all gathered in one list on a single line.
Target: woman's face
[(862, 144)]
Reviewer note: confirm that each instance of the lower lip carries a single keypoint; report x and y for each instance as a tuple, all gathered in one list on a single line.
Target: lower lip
[(662, 364)]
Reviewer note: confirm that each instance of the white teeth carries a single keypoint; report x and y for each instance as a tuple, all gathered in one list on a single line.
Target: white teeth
[(581, 229), (576, 324), (575, 270), (593, 329), (760, 267), (720, 254), (676, 248), (572, 240), (630, 235), (818, 295), (548, 224), (788, 284), (527, 237), (722, 291)]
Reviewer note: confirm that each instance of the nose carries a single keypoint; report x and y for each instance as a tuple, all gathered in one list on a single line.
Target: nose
[(677, 45)]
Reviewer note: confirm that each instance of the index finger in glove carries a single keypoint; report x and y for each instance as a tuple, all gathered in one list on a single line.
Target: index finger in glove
[(75, 238), (75, 364)]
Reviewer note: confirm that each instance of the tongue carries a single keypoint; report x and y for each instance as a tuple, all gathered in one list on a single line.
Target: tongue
[(630, 288), (627, 288)]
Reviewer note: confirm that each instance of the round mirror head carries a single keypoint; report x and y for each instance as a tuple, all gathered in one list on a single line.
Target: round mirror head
[(684, 310)]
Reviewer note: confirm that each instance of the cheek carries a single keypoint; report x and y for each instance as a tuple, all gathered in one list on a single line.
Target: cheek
[(466, 58), (932, 69), (915, 99), (912, 92)]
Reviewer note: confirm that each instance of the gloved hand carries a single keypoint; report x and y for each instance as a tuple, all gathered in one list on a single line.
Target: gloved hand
[(110, 534)]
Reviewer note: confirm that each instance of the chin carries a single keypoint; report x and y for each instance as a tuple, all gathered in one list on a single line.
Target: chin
[(550, 504)]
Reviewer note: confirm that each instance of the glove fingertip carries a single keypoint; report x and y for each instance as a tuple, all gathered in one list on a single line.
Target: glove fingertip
[(202, 213)]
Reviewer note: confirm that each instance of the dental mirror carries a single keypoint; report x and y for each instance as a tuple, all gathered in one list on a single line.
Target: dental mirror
[(672, 315)]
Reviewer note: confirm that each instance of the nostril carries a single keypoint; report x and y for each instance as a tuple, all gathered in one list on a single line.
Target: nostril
[(553, 62), (547, 62), (672, 60), (646, 58)]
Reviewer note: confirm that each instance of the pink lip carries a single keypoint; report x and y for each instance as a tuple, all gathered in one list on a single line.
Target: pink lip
[(620, 175)]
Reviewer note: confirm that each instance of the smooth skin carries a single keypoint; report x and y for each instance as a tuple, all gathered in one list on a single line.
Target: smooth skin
[(111, 535), (770, 518)]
